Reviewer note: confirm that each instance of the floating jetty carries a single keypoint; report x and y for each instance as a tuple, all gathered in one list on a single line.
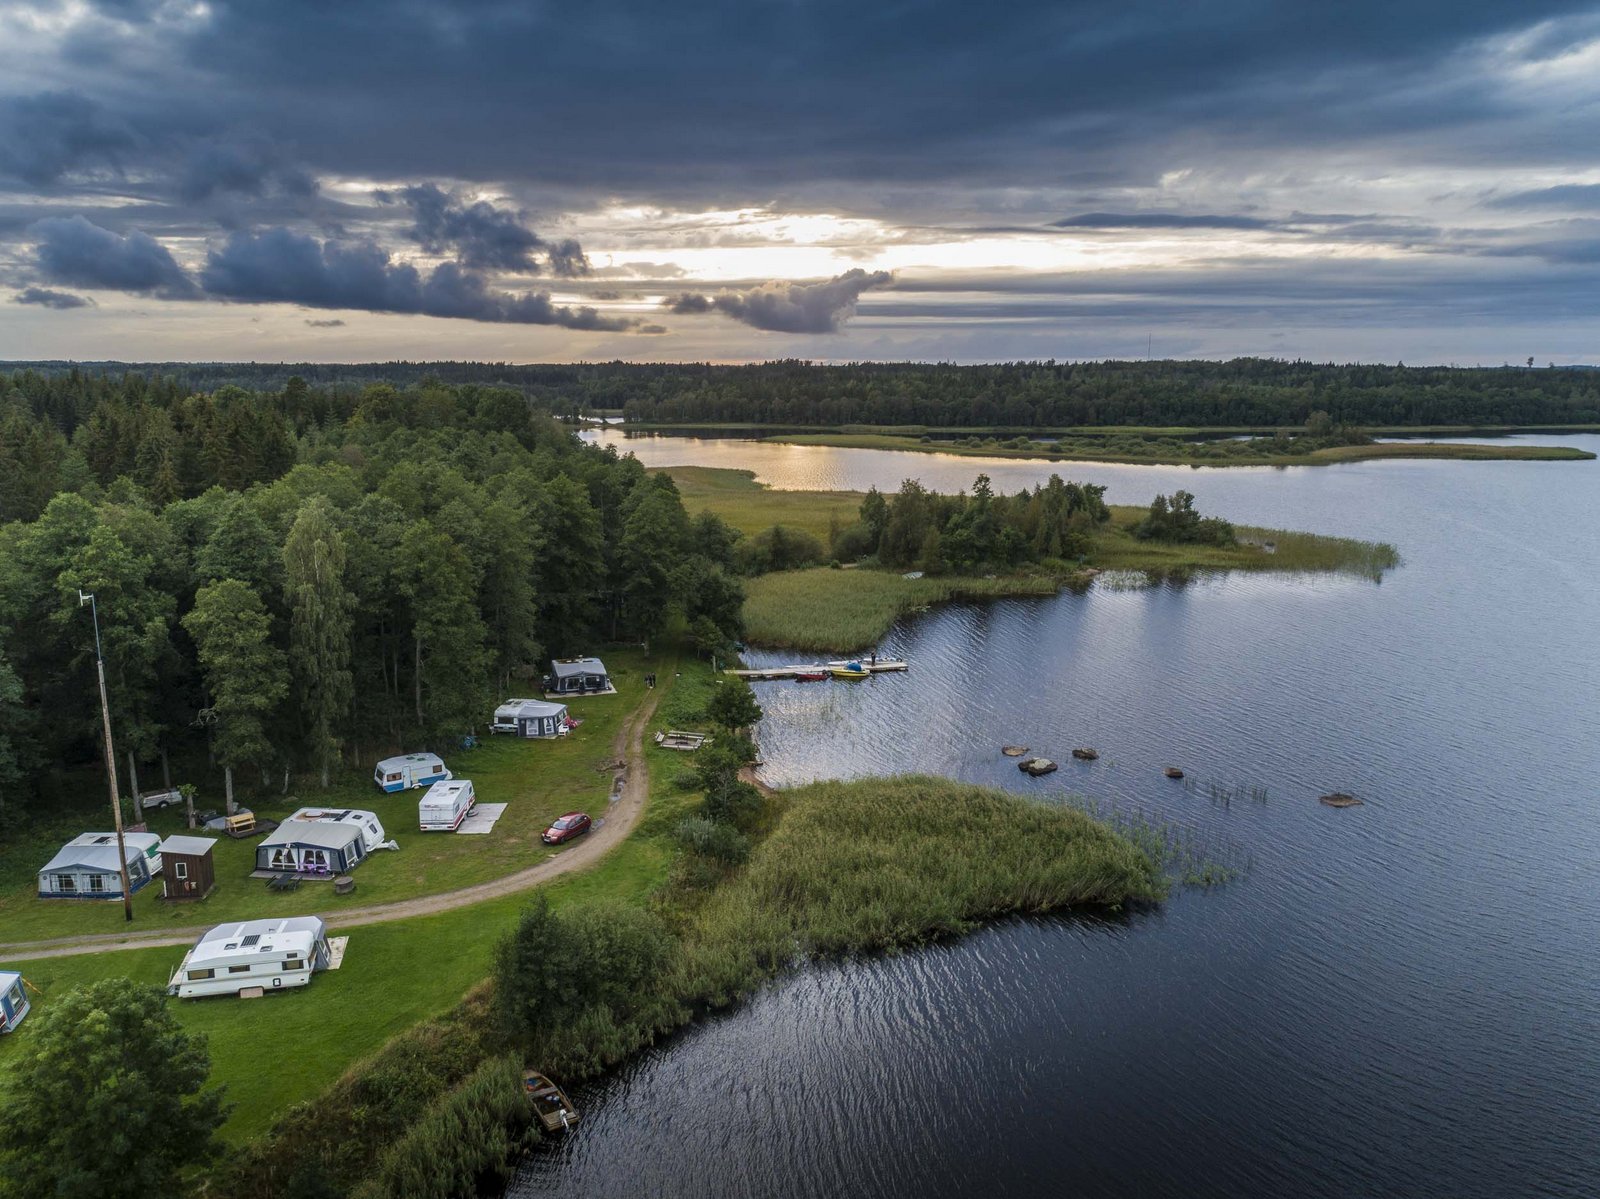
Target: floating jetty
[(811, 669)]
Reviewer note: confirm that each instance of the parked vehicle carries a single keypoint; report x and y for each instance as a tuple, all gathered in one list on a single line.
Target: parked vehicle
[(573, 824), (409, 770), (445, 805), (160, 799), (269, 955)]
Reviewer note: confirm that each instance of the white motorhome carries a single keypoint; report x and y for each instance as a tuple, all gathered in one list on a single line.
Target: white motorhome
[(445, 805), (271, 954), (409, 770)]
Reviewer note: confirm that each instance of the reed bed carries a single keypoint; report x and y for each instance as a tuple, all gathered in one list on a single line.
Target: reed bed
[(840, 611)]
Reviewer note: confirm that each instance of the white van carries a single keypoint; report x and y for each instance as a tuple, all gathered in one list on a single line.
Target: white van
[(445, 805)]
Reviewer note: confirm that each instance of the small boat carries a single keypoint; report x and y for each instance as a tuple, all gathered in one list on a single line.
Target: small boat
[(550, 1102), (1036, 766), (850, 670), (810, 676), (1086, 755), (1172, 772)]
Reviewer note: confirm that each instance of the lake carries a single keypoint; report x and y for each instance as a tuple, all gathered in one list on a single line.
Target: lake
[(1397, 999)]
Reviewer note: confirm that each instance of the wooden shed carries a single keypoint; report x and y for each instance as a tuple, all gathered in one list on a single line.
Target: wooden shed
[(187, 868)]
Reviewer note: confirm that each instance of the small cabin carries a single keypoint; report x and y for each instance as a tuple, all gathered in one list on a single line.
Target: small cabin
[(13, 1000), (409, 770), (253, 958), (87, 867), (531, 718), (188, 870), (311, 847), (579, 676)]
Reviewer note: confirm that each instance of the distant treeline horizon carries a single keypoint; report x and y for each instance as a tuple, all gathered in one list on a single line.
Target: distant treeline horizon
[(1041, 395)]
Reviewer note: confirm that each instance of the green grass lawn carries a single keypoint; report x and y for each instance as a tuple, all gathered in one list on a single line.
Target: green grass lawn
[(538, 780), (285, 1048)]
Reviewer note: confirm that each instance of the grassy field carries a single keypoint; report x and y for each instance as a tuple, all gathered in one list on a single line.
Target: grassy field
[(827, 611), (1085, 450), (394, 974), (750, 507), (539, 780)]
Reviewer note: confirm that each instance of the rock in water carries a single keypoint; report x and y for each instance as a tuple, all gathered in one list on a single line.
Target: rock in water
[(1341, 799), (1013, 751)]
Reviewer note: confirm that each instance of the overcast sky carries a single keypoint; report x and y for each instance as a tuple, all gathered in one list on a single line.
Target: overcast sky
[(1409, 180)]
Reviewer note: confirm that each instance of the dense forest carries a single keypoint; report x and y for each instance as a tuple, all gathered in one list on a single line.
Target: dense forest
[(1022, 395), (287, 577)]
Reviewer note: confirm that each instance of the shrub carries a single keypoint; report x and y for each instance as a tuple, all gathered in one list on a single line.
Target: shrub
[(737, 804), (720, 842)]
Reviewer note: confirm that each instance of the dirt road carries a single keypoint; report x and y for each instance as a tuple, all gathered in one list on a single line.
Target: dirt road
[(632, 781)]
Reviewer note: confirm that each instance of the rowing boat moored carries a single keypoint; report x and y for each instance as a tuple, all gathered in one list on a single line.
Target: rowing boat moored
[(550, 1102)]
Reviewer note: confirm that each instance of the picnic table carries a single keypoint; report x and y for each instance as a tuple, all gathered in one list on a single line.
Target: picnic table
[(282, 882)]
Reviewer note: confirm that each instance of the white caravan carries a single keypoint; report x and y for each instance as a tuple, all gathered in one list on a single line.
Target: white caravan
[(271, 954), (367, 822), (445, 805), (409, 771)]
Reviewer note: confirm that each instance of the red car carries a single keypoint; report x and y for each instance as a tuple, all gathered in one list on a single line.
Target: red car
[(573, 824)]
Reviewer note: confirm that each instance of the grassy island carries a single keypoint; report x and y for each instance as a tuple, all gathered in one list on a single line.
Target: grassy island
[(1152, 448), (822, 610)]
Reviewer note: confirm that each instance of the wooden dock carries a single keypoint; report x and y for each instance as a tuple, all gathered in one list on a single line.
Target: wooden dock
[(884, 666)]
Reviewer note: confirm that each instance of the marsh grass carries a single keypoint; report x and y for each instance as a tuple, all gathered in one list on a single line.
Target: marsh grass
[(1182, 853), (839, 611)]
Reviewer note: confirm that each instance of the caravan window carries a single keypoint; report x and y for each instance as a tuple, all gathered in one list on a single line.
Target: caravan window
[(292, 964), (201, 975), (97, 882), (391, 778), (65, 882), (238, 969)]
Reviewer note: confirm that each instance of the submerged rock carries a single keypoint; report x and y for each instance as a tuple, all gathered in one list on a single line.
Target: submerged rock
[(1172, 772), (1341, 799), (1086, 755), (1036, 766), (1013, 751)]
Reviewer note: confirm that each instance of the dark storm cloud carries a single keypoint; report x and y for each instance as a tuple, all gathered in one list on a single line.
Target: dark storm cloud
[(482, 236), (73, 251), (221, 166), (1161, 220), (46, 298), (284, 267), (48, 135), (1570, 196), (784, 307)]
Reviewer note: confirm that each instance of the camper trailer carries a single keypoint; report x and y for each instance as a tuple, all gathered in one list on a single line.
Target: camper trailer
[(13, 1000), (531, 718), (321, 841), (86, 867), (270, 954), (409, 770), (445, 805)]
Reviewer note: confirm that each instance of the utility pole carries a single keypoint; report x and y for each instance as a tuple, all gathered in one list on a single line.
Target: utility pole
[(111, 759)]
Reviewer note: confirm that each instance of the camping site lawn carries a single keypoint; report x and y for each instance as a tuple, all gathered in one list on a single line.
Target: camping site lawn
[(538, 780)]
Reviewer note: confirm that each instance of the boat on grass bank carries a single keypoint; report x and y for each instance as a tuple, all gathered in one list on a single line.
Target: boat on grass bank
[(550, 1103)]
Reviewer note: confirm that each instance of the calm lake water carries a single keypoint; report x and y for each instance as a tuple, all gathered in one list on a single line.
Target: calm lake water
[(1399, 999)]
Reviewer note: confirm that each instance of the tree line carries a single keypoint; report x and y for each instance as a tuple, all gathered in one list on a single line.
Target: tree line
[(1018, 395), (286, 579)]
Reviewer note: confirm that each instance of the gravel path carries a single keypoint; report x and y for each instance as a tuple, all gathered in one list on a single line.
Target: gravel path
[(632, 780)]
